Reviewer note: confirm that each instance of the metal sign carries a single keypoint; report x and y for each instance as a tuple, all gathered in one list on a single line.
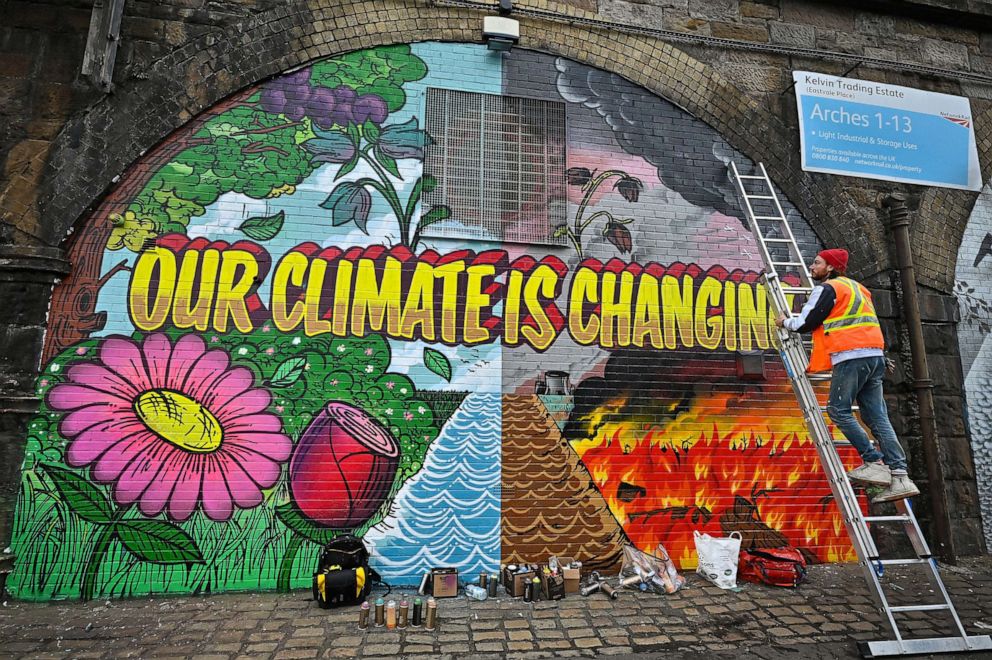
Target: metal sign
[(878, 131)]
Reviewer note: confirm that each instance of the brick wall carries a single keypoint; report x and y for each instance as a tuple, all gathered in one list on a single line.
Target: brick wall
[(65, 143)]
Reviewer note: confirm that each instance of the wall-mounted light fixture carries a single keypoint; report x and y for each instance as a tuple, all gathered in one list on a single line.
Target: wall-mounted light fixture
[(501, 32)]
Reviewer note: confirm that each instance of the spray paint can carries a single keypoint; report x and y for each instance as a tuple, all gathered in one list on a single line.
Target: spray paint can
[(430, 622), (391, 614), (631, 580), (493, 585), (484, 580), (418, 606), (404, 613), (536, 591), (423, 584), (363, 616), (609, 590), (528, 591), (380, 612)]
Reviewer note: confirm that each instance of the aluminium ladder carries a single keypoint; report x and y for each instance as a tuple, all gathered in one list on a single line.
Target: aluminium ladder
[(781, 255)]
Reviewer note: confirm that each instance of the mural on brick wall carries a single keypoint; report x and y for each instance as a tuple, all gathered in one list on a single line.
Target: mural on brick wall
[(270, 337), (975, 299)]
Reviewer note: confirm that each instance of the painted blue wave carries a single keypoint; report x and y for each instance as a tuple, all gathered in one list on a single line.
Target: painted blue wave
[(449, 513)]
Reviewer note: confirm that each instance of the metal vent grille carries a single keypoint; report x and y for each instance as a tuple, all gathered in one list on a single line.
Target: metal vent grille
[(499, 162)]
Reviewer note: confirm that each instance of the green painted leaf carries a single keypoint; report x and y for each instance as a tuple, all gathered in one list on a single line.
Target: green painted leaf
[(430, 183), (370, 130), (158, 542), (288, 372), (436, 214), (291, 517), (560, 231), (263, 228), (389, 163), (85, 499), (437, 362), (347, 168)]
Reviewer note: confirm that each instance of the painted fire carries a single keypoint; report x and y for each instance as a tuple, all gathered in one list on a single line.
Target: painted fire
[(726, 462)]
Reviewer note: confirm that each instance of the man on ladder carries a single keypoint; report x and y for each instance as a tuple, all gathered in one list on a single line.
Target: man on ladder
[(847, 340)]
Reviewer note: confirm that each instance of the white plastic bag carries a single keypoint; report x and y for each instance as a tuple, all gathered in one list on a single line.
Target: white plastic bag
[(718, 558)]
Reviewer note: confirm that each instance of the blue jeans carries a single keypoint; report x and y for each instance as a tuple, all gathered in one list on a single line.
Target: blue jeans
[(861, 380)]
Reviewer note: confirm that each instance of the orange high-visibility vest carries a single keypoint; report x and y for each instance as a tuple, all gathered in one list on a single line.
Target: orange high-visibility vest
[(851, 324)]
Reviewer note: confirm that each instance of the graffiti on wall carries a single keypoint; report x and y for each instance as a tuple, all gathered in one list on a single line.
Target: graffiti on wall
[(267, 340), (975, 300)]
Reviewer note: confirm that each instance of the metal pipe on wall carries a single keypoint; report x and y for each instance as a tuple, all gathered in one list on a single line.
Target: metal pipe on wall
[(895, 204)]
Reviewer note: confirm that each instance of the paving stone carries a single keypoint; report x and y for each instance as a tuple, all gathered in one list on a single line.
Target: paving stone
[(487, 647)]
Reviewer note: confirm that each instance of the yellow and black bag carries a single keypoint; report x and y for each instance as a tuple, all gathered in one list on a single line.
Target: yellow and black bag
[(343, 575), (335, 586)]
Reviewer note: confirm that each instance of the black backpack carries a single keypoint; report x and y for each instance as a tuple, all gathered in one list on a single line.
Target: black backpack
[(343, 575)]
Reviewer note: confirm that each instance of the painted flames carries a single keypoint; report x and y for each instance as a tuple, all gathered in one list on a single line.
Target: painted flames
[(723, 464)]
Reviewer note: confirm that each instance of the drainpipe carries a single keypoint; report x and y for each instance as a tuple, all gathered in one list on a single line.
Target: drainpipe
[(895, 203)]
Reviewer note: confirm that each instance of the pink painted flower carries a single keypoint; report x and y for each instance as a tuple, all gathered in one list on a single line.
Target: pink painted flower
[(81, 350), (390, 385), (408, 416), (369, 351), (171, 426)]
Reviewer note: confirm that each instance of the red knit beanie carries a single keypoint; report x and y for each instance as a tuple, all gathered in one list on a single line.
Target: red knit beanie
[(835, 257)]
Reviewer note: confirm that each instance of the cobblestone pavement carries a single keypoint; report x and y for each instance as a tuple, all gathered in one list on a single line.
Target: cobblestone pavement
[(822, 619)]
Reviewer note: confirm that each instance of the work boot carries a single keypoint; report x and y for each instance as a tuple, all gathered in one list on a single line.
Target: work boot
[(900, 488), (876, 474)]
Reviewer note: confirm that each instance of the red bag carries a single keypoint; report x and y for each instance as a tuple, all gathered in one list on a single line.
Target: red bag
[(780, 567)]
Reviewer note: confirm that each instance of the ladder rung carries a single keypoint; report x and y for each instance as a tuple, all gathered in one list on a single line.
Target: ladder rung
[(788, 263), (796, 289), (750, 176), (771, 217), (777, 240), (919, 608), (760, 197), (818, 376), (900, 562), (886, 518)]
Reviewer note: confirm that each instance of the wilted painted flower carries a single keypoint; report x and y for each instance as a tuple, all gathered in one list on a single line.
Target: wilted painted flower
[(629, 187), (578, 176), (403, 140), (349, 202), (343, 467), (173, 427), (619, 236)]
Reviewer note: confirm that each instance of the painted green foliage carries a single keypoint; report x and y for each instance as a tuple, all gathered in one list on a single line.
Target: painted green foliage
[(220, 502), (266, 145)]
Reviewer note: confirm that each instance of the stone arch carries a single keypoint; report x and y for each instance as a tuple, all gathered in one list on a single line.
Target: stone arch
[(96, 147)]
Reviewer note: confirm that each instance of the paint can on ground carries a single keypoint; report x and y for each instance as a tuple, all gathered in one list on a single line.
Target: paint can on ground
[(430, 622), (418, 606), (391, 614), (380, 612)]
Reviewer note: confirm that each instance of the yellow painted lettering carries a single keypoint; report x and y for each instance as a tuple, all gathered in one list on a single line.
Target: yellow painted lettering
[(419, 306), (475, 302), (149, 311), (584, 290), (198, 272), (647, 314), (709, 329), (677, 310), (291, 270), (378, 301), (238, 270), (540, 287)]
